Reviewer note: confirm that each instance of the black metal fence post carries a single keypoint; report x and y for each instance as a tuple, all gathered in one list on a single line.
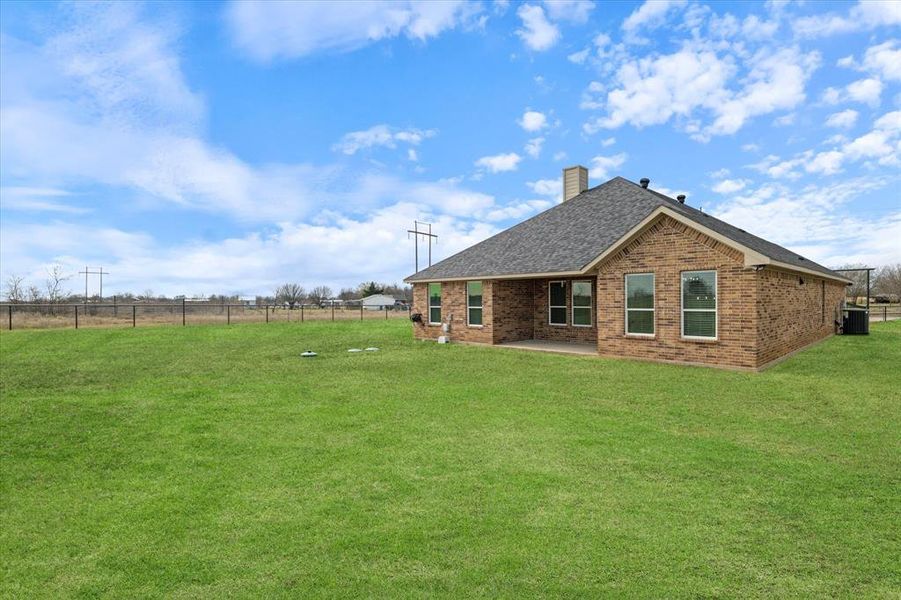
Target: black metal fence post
[(386, 312), (228, 314), (301, 313), (76, 316), (10, 307), (333, 312), (183, 320), (134, 315), (267, 313)]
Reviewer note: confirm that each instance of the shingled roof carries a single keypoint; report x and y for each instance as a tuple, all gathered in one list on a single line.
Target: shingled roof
[(565, 239)]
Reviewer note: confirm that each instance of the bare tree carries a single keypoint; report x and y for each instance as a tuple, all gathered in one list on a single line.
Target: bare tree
[(146, 295), (33, 294), (319, 294), (15, 288), (54, 284), (888, 280), (348, 294), (859, 288), (292, 293)]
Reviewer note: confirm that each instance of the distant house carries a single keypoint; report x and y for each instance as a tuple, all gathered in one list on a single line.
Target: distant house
[(631, 272), (378, 302)]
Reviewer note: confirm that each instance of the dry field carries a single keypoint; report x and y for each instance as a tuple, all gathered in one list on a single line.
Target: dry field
[(128, 315)]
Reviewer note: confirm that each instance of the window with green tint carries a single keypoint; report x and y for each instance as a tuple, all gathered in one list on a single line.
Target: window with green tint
[(640, 304), (435, 303), (557, 303), (699, 304), (582, 303), (474, 302)]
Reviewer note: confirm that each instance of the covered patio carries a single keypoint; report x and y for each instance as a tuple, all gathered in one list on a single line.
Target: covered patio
[(553, 346)]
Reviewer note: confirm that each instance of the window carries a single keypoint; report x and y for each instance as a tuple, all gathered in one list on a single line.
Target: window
[(582, 303), (640, 304), (474, 302), (699, 304), (434, 304), (557, 302)]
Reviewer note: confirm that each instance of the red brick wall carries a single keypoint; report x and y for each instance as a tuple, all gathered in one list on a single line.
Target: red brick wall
[(453, 311), (543, 330), (515, 301), (666, 249), (791, 315)]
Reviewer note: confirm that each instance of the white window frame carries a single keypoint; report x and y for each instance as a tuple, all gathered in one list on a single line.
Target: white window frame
[(549, 306), (480, 307), (716, 308), (650, 310), (572, 302), (429, 301)]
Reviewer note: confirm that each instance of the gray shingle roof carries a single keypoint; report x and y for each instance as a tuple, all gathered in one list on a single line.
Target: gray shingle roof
[(568, 236)]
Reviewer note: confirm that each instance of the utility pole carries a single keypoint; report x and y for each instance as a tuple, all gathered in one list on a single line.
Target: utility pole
[(101, 272), (87, 271), (425, 233)]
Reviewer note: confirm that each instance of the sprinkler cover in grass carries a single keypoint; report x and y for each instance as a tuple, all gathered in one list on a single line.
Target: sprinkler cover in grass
[(308, 354), (372, 349), (354, 350)]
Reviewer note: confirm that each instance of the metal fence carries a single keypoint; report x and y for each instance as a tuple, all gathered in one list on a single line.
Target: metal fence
[(47, 316)]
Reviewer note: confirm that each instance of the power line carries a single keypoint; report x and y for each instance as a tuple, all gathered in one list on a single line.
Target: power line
[(425, 233)]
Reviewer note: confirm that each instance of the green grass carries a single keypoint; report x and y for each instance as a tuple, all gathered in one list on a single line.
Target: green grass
[(213, 461)]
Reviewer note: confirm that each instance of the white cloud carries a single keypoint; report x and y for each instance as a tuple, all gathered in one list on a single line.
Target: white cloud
[(533, 120), (729, 186), (270, 30), (576, 11), (602, 167), (499, 163), (605, 143), (814, 220), (537, 32), (884, 60), (28, 199), (650, 15), (695, 80), (827, 163), (842, 120), (547, 187), (533, 147), (866, 91), (412, 155), (579, 57), (865, 15), (380, 135), (518, 210)]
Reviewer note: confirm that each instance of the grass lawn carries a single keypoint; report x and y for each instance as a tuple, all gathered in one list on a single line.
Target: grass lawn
[(213, 461)]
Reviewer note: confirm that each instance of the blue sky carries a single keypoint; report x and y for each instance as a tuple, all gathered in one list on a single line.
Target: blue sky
[(227, 148)]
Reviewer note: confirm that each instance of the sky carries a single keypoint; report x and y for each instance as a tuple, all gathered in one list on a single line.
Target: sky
[(200, 148)]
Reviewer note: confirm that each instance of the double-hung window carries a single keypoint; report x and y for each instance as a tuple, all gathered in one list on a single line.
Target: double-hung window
[(556, 292), (699, 304), (434, 304), (582, 303), (474, 302), (640, 304)]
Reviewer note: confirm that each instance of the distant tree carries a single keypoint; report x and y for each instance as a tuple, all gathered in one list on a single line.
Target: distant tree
[(348, 294), (292, 293), (888, 280), (399, 292), (859, 288), (15, 288), (56, 278), (319, 294), (370, 289), (146, 295), (33, 294)]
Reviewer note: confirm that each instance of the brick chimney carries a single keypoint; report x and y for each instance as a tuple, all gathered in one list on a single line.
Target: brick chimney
[(575, 181)]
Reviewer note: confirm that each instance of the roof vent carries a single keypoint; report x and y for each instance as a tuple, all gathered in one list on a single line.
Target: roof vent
[(575, 181), (681, 198), (645, 182)]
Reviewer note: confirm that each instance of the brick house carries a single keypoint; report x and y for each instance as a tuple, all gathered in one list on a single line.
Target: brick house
[(627, 271)]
